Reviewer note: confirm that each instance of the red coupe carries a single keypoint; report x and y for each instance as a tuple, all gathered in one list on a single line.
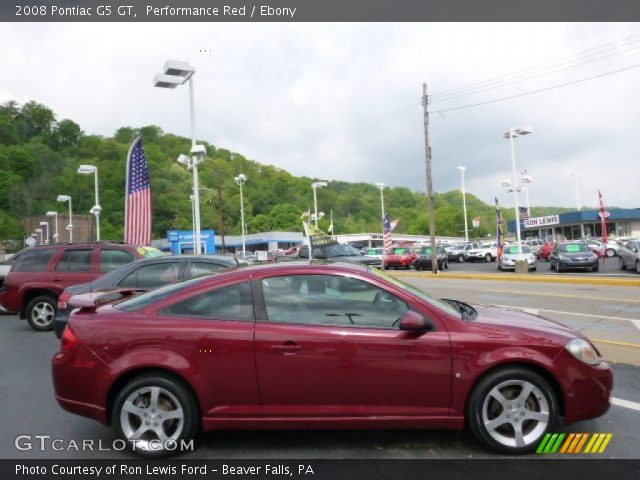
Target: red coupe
[(314, 346)]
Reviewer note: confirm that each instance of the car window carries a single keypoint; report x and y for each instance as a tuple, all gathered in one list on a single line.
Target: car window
[(34, 260), (111, 258), (145, 299), (204, 268), (151, 276), (75, 261), (232, 303), (574, 247), (515, 249), (330, 300)]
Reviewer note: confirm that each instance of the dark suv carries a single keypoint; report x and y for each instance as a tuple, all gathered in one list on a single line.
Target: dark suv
[(39, 276)]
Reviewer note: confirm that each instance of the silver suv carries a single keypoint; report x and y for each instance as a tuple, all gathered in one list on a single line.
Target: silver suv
[(460, 251), (630, 255)]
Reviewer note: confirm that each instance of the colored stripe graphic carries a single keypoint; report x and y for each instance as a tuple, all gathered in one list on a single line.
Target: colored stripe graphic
[(573, 443)]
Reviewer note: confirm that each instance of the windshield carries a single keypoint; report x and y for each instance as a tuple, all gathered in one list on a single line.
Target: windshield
[(574, 247), (427, 250), (331, 251), (150, 252), (515, 250), (145, 299), (401, 251), (374, 251), (436, 302)]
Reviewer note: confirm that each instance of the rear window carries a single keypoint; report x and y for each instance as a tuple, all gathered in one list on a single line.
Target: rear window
[(34, 260), (150, 252), (145, 299), (401, 251), (574, 247)]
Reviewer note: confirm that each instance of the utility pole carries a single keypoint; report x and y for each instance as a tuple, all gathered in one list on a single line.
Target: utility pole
[(221, 211), (427, 156)]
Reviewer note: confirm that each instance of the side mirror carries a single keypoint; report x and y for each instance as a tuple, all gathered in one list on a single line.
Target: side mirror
[(414, 322)]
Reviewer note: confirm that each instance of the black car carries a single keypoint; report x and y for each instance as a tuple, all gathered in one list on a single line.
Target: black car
[(343, 253), (142, 276), (573, 255), (423, 258)]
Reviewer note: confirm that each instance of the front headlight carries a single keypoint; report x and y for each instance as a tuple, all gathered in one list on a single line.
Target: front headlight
[(583, 351), (563, 258)]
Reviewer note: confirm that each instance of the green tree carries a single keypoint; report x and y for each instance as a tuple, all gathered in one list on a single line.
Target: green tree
[(8, 132)]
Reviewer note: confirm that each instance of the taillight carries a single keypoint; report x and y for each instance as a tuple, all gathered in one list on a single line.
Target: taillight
[(62, 301), (69, 339)]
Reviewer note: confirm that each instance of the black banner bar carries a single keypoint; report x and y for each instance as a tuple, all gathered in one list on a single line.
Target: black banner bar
[(318, 10), (521, 469)]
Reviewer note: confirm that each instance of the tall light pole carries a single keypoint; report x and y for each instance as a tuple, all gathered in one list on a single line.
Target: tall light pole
[(67, 198), (47, 237), (54, 214), (240, 180), (464, 205), (511, 134), (178, 73), (39, 232), (96, 209), (315, 186), (575, 175), (526, 180), (381, 186)]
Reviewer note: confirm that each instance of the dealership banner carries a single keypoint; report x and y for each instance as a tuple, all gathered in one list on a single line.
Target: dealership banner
[(368, 469), (542, 221)]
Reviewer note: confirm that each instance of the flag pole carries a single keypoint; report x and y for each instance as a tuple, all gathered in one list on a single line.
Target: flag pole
[(126, 189)]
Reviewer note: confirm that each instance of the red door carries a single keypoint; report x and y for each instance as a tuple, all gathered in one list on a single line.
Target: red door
[(317, 354)]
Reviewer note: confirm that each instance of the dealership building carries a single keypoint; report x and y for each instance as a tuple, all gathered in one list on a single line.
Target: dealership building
[(621, 223)]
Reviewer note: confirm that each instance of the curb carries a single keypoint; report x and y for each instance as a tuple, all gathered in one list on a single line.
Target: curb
[(631, 282)]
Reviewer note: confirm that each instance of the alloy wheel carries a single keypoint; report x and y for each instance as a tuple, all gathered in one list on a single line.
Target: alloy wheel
[(42, 314), (515, 413), (150, 415)]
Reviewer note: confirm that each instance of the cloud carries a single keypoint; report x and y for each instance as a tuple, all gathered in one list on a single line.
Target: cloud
[(342, 101)]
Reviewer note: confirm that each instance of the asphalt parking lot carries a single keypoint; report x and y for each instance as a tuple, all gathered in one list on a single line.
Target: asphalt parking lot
[(28, 406)]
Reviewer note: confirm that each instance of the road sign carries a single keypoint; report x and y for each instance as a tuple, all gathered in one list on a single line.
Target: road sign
[(542, 221)]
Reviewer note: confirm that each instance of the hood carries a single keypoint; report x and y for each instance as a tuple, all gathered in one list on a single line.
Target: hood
[(577, 254), (522, 321)]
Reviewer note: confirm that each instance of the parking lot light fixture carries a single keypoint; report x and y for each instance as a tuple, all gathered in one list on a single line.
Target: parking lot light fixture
[(176, 73), (464, 205), (46, 236), (67, 198), (39, 232), (575, 175), (315, 186), (240, 181), (52, 213), (510, 135), (526, 181), (96, 209)]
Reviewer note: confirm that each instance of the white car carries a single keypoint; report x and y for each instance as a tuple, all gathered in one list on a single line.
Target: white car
[(487, 252), (513, 253)]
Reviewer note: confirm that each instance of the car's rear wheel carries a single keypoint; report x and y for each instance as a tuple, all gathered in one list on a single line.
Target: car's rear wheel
[(41, 312), (511, 409), (460, 258), (153, 414)]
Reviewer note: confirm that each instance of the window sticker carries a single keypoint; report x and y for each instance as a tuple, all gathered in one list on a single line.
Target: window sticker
[(573, 248)]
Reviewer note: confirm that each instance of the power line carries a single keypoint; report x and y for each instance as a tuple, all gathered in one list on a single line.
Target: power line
[(535, 68), (529, 77), (460, 107)]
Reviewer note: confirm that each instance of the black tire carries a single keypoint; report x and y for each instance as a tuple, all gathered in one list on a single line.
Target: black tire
[(191, 417), (551, 266), (534, 269), (480, 396), (610, 252), (622, 264), (446, 265), (596, 268), (488, 258), (41, 312), (460, 258), (638, 266)]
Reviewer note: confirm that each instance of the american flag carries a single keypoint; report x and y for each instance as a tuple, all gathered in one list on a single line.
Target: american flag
[(137, 214), (499, 233), (386, 226), (524, 213)]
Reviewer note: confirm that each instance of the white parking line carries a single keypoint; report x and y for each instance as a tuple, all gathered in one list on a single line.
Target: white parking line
[(535, 311), (625, 403)]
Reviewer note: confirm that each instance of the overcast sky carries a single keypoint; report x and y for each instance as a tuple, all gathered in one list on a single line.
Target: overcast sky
[(341, 101)]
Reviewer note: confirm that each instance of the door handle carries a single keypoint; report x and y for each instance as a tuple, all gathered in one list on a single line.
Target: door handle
[(286, 347)]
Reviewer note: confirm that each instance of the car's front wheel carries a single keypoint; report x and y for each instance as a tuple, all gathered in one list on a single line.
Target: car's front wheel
[(488, 258), (610, 252), (154, 415), (460, 258), (41, 312), (511, 409), (622, 265)]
